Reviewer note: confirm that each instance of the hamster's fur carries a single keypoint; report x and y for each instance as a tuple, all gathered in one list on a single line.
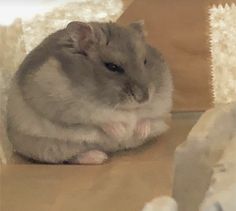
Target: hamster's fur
[(90, 86)]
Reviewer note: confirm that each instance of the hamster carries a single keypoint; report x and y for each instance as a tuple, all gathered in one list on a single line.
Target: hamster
[(88, 90)]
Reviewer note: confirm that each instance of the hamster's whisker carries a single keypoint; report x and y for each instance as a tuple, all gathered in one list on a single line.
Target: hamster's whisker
[(117, 105), (130, 99)]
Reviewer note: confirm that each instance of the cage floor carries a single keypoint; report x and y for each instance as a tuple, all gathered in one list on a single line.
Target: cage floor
[(126, 182)]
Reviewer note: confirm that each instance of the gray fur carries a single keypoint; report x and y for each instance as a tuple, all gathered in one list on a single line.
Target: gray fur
[(62, 92)]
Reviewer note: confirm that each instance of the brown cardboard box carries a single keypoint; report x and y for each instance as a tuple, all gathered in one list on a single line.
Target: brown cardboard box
[(126, 182), (179, 29)]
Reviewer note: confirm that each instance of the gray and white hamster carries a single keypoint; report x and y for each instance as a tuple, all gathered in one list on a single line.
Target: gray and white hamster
[(87, 90)]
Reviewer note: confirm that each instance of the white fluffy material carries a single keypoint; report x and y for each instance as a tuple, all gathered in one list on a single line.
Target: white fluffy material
[(58, 16), (222, 191), (223, 51), (163, 203)]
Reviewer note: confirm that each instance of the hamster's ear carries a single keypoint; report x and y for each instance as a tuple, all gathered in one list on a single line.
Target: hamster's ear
[(138, 26), (82, 34)]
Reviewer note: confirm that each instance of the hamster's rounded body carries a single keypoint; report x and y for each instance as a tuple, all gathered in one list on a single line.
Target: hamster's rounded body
[(88, 87)]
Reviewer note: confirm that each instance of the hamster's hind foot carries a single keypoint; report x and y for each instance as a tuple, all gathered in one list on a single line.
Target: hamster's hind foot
[(92, 157)]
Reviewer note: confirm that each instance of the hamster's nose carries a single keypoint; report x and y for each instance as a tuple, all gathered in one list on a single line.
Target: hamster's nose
[(140, 94)]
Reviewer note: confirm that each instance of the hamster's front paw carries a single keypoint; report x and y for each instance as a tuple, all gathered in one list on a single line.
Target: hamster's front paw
[(143, 128), (92, 157), (158, 126), (116, 130)]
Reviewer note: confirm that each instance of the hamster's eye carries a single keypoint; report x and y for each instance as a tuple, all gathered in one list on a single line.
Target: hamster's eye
[(145, 61), (114, 68)]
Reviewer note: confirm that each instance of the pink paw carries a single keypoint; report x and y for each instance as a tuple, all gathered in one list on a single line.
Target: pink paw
[(143, 128), (115, 129), (90, 157)]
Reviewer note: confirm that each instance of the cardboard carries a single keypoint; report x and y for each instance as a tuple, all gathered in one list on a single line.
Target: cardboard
[(179, 30), (126, 182)]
